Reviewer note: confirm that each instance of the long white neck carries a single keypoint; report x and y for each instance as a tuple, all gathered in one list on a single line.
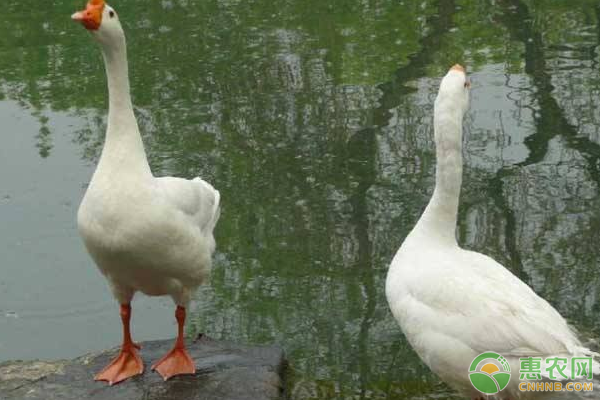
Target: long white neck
[(123, 149), (439, 218)]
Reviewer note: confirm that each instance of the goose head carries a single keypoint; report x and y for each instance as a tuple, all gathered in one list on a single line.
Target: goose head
[(102, 21), (454, 90)]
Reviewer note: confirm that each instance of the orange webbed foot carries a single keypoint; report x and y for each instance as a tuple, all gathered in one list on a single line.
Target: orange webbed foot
[(176, 362), (127, 364)]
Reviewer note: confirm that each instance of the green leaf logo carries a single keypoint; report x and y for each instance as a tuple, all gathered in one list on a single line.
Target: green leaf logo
[(489, 373)]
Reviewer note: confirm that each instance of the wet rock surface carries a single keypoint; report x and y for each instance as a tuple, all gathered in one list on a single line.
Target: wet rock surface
[(223, 371)]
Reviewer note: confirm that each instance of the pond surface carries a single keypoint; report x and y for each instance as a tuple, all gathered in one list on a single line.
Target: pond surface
[(314, 120)]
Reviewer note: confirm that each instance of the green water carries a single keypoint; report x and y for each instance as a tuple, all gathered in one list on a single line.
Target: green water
[(314, 120)]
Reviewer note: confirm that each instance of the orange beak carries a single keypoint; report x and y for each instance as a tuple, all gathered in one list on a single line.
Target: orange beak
[(91, 17)]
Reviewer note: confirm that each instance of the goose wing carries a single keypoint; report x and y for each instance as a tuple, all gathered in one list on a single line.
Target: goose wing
[(196, 198)]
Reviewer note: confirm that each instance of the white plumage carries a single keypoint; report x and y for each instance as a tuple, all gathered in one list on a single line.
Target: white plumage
[(153, 235), (453, 304), (146, 234)]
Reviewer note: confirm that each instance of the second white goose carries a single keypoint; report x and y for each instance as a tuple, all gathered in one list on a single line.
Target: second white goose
[(453, 304)]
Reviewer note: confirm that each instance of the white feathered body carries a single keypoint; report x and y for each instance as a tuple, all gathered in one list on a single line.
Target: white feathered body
[(453, 304), (153, 235)]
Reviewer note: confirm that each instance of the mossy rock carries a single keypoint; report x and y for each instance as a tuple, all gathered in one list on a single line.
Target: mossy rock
[(223, 371)]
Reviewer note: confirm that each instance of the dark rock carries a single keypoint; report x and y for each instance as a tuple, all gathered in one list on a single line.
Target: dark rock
[(223, 371)]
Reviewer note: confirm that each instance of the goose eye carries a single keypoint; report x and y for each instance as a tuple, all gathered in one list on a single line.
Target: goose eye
[(111, 13)]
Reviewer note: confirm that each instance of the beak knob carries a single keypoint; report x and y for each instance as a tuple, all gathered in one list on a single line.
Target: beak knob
[(78, 16), (91, 17)]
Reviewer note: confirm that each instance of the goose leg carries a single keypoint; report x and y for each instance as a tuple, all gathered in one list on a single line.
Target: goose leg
[(128, 363), (177, 361)]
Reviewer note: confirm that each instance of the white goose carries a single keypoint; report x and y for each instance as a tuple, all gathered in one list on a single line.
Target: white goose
[(453, 304), (147, 234)]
